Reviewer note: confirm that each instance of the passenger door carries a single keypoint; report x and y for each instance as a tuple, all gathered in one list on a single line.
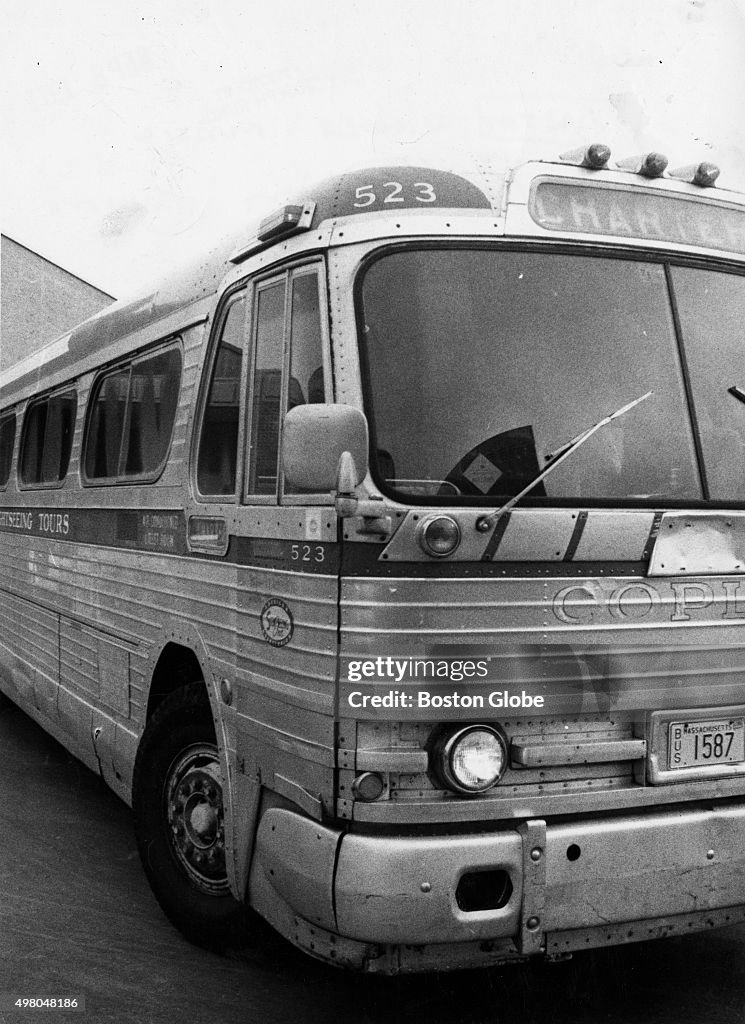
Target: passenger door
[(288, 578), (270, 604)]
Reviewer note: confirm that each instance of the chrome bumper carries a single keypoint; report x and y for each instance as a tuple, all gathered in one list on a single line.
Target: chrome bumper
[(593, 874)]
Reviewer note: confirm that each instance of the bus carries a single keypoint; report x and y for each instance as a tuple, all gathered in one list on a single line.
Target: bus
[(389, 562)]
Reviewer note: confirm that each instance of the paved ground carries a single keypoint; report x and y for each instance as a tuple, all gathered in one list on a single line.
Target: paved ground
[(77, 917)]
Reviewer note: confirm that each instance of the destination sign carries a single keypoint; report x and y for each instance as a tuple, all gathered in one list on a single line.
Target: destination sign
[(605, 210), (148, 530)]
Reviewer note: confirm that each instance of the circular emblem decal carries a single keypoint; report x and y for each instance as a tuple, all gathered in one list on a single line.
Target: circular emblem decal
[(276, 622)]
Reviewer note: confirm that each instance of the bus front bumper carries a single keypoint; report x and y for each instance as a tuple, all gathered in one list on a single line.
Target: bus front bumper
[(576, 878)]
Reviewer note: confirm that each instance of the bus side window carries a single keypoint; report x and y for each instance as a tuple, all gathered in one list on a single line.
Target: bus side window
[(133, 411), (267, 390), (288, 317), (306, 351), (153, 397), (58, 437), (104, 440), (47, 439), (306, 345), (218, 442)]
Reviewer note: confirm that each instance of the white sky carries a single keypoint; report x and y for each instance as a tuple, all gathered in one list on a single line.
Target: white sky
[(132, 133)]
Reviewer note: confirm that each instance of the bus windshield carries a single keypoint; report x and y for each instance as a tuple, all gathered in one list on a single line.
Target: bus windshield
[(482, 363)]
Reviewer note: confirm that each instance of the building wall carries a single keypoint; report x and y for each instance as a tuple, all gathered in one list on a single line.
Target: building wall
[(39, 301)]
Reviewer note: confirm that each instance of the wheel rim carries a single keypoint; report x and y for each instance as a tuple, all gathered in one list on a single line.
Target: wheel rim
[(194, 808)]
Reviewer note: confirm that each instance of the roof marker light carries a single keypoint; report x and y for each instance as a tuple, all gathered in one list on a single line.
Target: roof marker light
[(595, 156), (703, 174), (650, 165), (284, 222)]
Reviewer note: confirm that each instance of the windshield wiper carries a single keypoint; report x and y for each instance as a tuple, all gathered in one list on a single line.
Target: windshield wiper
[(486, 522)]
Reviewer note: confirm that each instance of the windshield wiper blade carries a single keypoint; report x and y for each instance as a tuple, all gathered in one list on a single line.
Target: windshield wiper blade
[(486, 522)]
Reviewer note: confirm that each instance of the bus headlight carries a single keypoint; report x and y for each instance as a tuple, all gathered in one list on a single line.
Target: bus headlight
[(438, 536), (470, 759)]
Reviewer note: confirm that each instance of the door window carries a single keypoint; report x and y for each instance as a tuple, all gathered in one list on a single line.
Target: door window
[(288, 367)]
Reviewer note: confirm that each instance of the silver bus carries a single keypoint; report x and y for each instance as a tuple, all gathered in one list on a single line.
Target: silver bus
[(389, 562)]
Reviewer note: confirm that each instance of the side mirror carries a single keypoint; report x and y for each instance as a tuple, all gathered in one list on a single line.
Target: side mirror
[(313, 441)]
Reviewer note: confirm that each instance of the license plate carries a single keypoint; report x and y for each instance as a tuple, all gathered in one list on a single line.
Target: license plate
[(697, 744)]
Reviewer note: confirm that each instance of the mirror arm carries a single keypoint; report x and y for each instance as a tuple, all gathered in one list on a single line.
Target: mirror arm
[(352, 500)]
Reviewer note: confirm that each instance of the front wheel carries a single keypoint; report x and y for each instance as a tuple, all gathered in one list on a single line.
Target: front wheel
[(179, 821)]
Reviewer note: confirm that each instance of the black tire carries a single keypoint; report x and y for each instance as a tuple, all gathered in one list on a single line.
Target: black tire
[(177, 802)]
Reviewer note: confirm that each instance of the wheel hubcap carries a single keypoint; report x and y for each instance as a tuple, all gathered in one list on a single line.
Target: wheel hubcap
[(193, 795)]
